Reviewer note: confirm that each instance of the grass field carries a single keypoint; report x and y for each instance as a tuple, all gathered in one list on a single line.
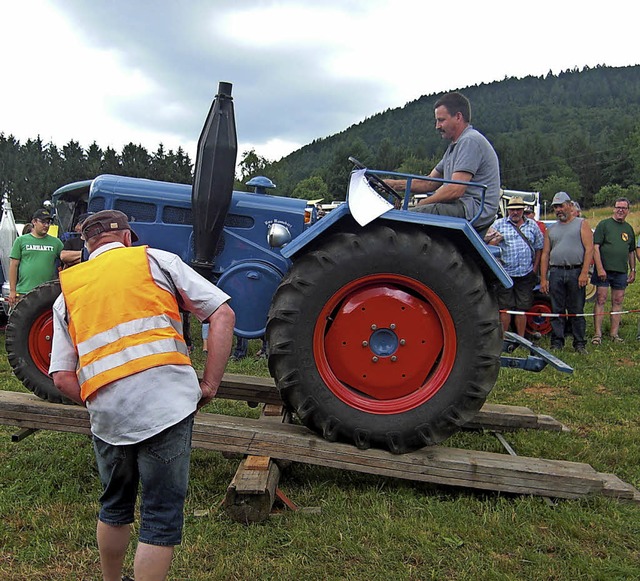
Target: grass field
[(368, 528)]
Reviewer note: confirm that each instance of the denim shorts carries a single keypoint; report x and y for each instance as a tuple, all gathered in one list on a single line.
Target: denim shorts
[(160, 465), (616, 280)]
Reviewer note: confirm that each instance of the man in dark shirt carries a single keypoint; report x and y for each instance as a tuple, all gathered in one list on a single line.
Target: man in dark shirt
[(73, 251), (613, 253)]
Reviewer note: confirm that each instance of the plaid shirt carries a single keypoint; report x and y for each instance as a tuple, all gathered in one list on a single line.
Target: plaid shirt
[(516, 254)]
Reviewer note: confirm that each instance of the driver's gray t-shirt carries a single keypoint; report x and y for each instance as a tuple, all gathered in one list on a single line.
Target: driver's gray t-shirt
[(473, 154)]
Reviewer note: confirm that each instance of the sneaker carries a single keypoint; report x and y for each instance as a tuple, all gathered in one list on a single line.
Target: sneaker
[(582, 350)]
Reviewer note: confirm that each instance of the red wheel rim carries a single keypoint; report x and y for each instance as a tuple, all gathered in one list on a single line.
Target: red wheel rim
[(40, 338), (384, 344), (536, 323)]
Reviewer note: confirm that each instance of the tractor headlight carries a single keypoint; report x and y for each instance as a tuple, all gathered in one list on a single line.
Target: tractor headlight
[(278, 235)]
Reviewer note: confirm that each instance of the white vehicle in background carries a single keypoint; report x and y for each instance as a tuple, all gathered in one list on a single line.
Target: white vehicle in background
[(8, 234)]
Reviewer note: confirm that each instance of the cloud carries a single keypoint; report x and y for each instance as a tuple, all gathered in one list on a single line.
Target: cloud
[(147, 70)]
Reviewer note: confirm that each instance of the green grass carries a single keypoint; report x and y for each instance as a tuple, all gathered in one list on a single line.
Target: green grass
[(369, 527)]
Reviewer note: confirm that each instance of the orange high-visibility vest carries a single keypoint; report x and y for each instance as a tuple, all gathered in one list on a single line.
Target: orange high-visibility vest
[(120, 321)]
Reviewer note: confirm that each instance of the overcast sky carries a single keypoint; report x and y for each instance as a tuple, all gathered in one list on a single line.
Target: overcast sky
[(146, 71)]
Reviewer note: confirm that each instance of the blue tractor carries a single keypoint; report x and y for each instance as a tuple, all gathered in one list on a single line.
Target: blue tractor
[(381, 323)]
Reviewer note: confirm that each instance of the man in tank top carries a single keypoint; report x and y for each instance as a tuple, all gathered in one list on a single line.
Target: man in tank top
[(564, 271)]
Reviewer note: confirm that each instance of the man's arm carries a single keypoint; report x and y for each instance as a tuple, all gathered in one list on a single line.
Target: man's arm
[(14, 263), (67, 383), (536, 260), (417, 186), (587, 241), (544, 264), (449, 192), (597, 259), (71, 257), (219, 341)]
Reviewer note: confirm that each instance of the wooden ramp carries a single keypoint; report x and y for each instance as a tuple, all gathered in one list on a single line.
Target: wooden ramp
[(275, 439)]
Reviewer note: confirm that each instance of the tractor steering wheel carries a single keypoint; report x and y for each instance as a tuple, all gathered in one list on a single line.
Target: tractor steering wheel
[(376, 182)]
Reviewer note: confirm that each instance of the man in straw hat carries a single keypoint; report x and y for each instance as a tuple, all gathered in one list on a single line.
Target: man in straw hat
[(521, 242)]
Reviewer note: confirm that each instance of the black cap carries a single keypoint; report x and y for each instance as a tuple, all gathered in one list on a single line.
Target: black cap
[(106, 221), (83, 217), (41, 214)]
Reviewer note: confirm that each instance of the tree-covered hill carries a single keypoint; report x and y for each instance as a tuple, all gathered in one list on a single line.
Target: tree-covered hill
[(578, 130)]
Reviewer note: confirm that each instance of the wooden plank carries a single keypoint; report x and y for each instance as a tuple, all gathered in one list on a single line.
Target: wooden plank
[(490, 417), (437, 464)]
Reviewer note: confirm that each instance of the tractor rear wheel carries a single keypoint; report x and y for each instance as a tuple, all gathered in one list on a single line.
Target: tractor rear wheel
[(29, 336), (386, 338)]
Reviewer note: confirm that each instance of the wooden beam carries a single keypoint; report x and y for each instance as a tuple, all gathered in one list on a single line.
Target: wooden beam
[(252, 492)]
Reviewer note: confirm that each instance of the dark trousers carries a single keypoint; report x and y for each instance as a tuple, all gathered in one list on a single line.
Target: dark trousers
[(567, 297)]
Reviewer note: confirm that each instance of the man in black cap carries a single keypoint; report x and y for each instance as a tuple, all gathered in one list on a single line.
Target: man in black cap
[(118, 349), (33, 257)]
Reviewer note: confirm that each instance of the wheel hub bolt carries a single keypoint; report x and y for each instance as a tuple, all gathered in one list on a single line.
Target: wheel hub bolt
[(365, 343), (394, 358), (392, 326), (374, 327), (374, 359), (402, 341)]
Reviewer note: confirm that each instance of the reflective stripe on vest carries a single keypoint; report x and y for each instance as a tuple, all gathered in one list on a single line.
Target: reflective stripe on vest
[(119, 328)]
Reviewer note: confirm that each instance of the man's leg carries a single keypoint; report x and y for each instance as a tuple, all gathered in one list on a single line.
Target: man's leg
[(164, 472), (617, 297), (152, 562), (119, 478), (598, 309), (575, 306), (455, 209), (112, 545), (523, 300), (521, 324), (557, 293), (505, 302)]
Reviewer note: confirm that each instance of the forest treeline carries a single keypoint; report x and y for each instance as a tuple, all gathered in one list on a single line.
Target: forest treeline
[(577, 131)]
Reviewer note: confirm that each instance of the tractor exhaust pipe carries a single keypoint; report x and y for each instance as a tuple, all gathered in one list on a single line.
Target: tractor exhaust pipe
[(213, 179)]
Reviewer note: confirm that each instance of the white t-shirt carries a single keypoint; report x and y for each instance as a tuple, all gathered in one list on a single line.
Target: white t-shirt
[(137, 407)]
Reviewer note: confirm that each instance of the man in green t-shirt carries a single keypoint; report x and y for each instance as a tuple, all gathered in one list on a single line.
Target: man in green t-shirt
[(614, 249), (33, 257)]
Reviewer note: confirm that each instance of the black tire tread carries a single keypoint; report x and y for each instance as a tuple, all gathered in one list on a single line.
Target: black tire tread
[(26, 311), (291, 354)]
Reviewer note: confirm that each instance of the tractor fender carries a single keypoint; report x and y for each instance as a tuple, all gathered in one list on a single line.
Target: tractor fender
[(459, 230)]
